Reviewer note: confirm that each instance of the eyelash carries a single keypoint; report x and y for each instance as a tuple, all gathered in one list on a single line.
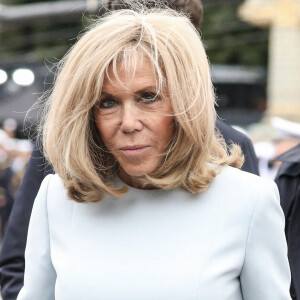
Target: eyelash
[(154, 97), (105, 100)]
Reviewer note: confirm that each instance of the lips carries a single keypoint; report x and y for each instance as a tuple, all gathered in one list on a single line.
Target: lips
[(134, 149)]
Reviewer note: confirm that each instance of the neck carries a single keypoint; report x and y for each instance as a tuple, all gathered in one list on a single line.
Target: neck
[(134, 182)]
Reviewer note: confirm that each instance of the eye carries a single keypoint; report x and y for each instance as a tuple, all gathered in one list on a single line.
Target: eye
[(148, 97), (107, 103)]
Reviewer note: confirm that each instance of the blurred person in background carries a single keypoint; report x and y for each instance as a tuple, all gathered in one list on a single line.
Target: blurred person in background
[(14, 155), (286, 135), (12, 254), (7, 181), (10, 127), (6, 188), (288, 182)]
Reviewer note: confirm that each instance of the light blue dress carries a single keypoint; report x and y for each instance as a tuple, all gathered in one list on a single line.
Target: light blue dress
[(227, 243)]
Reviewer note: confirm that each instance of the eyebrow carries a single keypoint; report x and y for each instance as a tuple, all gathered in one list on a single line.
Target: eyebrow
[(148, 88)]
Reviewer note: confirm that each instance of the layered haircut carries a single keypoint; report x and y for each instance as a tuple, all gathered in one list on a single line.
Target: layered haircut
[(172, 45)]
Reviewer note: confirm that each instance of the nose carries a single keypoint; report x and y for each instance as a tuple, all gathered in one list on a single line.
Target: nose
[(131, 119)]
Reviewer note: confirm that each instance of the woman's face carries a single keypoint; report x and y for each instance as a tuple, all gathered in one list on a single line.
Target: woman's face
[(134, 122)]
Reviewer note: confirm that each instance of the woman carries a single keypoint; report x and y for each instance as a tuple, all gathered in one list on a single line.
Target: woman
[(146, 203)]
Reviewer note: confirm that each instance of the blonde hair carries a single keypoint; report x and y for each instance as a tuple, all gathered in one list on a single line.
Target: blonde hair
[(173, 46)]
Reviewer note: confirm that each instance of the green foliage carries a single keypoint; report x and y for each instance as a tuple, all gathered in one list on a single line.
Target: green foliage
[(228, 40)]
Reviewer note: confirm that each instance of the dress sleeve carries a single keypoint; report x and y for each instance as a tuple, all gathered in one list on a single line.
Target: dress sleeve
[(266, 273), (40, 276)]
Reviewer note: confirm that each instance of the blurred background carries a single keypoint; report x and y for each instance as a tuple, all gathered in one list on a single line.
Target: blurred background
[(253, 47)]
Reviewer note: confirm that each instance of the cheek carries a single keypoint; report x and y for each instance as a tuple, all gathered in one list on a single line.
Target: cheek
[(165, 129), (104, 127)]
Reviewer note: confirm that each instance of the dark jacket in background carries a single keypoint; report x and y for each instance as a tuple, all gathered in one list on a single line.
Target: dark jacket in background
[(13, 246), (6, 192), (12, 254), (288, 182), (233, 136)]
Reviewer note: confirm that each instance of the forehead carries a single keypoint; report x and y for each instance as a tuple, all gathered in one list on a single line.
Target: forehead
[(130, 74)]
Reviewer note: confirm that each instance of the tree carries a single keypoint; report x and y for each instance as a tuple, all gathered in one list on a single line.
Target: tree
[(228, 40)]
